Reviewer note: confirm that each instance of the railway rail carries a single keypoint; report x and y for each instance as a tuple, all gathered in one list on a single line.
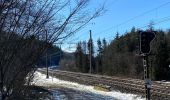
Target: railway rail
[(159, 91)]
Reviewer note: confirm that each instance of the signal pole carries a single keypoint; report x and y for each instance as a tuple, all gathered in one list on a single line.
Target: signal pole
[(90, 53), (147, 77), (145, 41)]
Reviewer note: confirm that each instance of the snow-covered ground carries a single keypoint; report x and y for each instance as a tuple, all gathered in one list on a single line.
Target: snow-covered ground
[(40, 80)]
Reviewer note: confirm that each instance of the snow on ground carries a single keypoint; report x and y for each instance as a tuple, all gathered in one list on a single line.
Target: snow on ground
[(40, 80), (167, 82)]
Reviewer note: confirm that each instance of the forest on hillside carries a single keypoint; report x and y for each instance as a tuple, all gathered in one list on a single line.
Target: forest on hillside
[(120, 57)]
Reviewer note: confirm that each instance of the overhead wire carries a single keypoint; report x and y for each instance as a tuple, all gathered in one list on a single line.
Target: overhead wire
[(129, 20), (165, 19), (159, 21), (133, 18), (156, 22)]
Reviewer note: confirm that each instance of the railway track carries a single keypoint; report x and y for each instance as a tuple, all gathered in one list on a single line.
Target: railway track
[(159, 91)]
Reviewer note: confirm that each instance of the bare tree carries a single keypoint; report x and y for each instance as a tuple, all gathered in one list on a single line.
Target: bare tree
[(27, 27)]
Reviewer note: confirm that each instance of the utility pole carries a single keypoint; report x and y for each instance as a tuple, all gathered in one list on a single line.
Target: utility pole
[(90, 53), (46, 55)]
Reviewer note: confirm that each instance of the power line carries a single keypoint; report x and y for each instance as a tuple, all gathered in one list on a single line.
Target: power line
[(158, 21), (123, 23), (131, 19), (162, 20)]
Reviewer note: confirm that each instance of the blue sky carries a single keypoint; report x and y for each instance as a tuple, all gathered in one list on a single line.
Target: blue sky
[(119, 12)]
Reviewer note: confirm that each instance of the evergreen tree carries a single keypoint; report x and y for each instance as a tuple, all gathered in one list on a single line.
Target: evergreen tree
[(84, 47), (161, 62), (104, 43), (85, 58), (79, 57), (118, 57), (117, 36), (99, 56)]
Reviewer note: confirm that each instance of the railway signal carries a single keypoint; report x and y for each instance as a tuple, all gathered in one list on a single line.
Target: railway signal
[(145, 40), (146, 37)]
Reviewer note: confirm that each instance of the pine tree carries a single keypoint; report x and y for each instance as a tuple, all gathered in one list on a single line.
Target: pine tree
[(85, 61), (79, 57), (104, 43), (161, 63), (99, 56), (117, 36)]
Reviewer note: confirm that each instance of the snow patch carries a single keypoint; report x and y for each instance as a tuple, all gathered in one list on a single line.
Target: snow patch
[(41, 80)]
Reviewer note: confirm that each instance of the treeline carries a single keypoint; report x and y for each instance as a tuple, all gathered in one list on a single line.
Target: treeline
[(121, 56)]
